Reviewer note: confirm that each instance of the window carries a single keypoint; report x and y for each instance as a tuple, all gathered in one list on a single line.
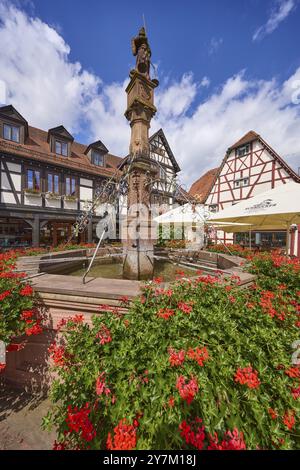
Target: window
[(162, 173), (213, 207), (53, 183), (241, 182), (33, 180), (11, 133), (61, 148), (97, 158), (70, 186), (243, 150)]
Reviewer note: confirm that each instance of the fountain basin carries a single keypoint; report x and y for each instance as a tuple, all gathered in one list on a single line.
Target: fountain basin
[(113, 269)]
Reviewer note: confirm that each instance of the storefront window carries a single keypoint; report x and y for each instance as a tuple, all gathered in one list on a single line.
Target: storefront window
[(14, 233), (264, 240)]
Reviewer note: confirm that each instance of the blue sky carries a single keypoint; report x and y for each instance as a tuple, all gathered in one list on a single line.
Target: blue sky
[(225, 67), (211, 38)]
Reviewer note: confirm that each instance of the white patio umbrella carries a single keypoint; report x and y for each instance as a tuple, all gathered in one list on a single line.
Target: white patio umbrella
[(275, 209), (186, 214), (189, 213), (189, 216)]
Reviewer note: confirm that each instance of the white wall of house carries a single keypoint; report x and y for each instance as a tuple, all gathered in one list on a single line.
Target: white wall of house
[(7, 193)]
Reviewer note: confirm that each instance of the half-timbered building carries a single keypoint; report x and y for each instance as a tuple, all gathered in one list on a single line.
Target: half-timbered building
[(47, 179), (164, 187), (250, 167)]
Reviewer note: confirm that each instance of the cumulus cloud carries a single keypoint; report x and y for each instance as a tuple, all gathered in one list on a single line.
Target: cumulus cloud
[(280, 12), (49, 89)]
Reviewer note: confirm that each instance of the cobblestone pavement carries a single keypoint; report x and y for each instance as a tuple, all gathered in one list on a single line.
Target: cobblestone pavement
[(20, 421)]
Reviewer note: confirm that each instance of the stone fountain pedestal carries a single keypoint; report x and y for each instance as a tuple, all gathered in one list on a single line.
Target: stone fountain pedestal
[(138, 233)]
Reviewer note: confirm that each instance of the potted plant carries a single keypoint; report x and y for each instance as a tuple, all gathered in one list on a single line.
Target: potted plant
[(33, 192), (52, 195), (70, 198)]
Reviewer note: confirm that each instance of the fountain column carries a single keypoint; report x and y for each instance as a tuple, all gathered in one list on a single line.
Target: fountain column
[(138, 240)]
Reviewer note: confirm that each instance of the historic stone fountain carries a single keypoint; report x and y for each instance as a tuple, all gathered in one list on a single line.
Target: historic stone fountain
[(138, 239)]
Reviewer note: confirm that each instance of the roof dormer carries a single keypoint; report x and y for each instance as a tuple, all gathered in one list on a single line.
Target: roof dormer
[(13, 126), (60, 141), (96, 153)]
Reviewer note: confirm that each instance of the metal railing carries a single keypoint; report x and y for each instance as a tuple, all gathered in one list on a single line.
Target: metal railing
[(95, 253)]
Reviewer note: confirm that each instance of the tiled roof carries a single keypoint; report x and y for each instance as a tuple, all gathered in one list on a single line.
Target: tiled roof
[(182, 195), (37, 148), (200, 188), (248, 137)]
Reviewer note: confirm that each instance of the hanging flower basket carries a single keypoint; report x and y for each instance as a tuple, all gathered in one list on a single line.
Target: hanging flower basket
[(70, 198), (50, 195), (32, 192)]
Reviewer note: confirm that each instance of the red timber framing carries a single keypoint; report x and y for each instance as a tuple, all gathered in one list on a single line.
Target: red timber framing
[(250, 167)]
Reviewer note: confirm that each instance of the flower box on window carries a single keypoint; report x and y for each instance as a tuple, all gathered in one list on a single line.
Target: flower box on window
[(33, 192), (70, 198), (50, 195)]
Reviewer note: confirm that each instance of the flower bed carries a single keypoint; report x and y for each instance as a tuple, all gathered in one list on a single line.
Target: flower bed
[(18, 315), (237, 250), (40, 251), (199, 365)]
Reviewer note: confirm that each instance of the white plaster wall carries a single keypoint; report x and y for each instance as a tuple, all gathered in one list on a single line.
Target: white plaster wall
[(261, 188), (4, 182), (7, 198), (224, 196), (86, 193), (86, 182), (12, 167)]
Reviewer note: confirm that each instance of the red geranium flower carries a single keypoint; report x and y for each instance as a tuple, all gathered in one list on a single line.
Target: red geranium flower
[(289, 419), (57, 354), (232, 441), (171, 402), (176, 359), (26, 314), (272, 413), (296, 393), (124, 436), (188, 390), (78, 421), (101, 387), (36, 329), (4, 294), (293, 372), (185, 307), (26, 291), (104, 335), (165, 313), (247, 376), (200, 355), (193, 433)]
